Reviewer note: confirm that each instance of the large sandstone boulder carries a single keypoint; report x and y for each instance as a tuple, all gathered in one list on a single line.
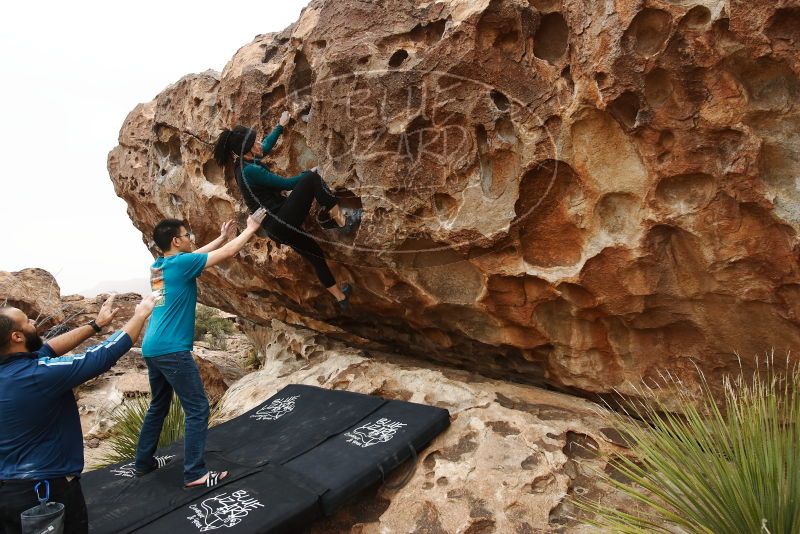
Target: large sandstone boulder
[(562, 191)]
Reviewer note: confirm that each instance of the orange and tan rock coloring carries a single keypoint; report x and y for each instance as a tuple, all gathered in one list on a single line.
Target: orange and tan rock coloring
[(582, 193)]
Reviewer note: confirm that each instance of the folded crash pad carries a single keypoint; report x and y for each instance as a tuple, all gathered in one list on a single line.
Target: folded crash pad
[(301, 453), (369, 450), (293, 421)]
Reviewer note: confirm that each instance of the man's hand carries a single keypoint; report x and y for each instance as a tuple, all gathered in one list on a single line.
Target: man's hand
[(228, 230), (284, 120), (255, 220), (66, 342), (235, 245), (145, 307), (107, 312), (136, 323)]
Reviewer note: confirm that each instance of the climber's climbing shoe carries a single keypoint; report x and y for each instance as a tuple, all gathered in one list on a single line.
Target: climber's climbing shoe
[(325, 221), (344, 305), (352, 220)]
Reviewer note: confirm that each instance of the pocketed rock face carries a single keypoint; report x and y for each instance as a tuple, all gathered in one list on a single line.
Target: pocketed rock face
[(578, 193), (510, 461)]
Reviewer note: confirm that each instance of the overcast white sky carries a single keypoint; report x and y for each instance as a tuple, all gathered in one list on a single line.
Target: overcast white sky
[(71, 72)]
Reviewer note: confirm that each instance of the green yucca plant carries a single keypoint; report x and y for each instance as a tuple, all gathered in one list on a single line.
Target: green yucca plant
[(127, 422), (725, 465)]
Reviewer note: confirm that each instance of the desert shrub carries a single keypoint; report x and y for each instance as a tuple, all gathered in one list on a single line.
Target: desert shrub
[(211, 325), (127, 422), (729, 464)]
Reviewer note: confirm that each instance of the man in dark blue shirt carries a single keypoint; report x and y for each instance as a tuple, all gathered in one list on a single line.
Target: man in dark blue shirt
[(40, 429)]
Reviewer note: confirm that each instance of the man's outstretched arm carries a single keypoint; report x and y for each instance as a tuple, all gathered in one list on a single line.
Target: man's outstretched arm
[(233, 247), (226, 232), (69, 340), (66, 372)]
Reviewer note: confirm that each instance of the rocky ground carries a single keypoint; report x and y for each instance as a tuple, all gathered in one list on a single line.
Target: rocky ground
[(511, 459)]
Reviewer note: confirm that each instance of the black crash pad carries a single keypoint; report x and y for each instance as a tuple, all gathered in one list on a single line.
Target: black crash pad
[(369, 450), (286, 425), (301, 453), (269, 501)]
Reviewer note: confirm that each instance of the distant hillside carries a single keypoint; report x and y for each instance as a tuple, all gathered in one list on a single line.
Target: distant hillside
[(133, 285)]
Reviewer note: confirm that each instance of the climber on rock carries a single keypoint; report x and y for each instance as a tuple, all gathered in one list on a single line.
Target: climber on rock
[(286, 214)]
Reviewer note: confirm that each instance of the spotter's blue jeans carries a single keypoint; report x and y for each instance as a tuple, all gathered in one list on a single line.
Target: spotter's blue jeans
[(175, 372)]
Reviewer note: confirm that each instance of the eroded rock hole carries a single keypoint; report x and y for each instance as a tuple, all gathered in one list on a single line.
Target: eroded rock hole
[(666, 140), (347, 198), (617, 212), (658, 87), (170, 150), (505, 130), (769, 83), (303, 76), (428, 33), (500, 100), (499, 28), (551, 38), (398, 58), (785, 25), (566, 75), (269, 54), (445, 205), (213, 172), (686, 192), (697, 18), (649, 31), (549, 232), (418, 138), (626, 108)]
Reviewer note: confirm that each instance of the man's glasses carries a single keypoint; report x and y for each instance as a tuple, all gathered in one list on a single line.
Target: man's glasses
[(188, 234)]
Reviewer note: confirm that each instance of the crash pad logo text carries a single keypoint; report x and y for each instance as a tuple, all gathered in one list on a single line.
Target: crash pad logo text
[(276, 409), (370, 434), (223, 510)]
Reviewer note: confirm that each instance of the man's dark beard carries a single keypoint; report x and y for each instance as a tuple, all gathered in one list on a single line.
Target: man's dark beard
[(32, 341)]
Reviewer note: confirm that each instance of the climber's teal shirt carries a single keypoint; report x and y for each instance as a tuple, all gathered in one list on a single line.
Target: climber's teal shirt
[(258, 175), (171, 327)]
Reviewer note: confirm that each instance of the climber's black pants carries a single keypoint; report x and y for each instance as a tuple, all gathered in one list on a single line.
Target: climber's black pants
[(285, 225)]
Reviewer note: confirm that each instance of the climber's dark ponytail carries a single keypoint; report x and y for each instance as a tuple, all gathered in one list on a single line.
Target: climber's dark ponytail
[(221, 150), (238, 141)]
